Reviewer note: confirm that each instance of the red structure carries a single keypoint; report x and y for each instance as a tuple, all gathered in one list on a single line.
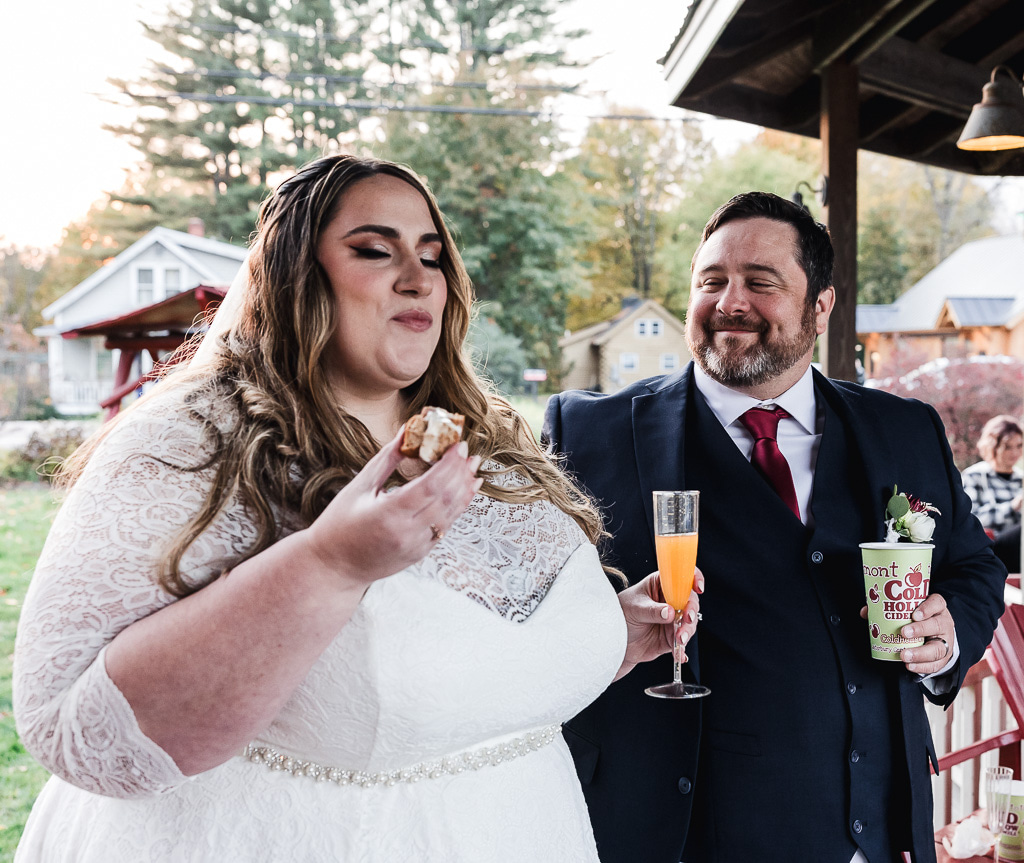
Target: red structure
[(159, 330)]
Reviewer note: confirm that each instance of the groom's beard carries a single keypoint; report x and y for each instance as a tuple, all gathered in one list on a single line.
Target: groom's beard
[(739, 364)]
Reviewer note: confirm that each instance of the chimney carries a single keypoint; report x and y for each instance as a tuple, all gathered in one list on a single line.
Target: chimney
[(196, 227)]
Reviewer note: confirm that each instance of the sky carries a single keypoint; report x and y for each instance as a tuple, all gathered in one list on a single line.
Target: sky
[(55, 58)]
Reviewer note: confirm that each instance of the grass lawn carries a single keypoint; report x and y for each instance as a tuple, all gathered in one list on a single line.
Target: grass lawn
[(25, 515), (532, 409)]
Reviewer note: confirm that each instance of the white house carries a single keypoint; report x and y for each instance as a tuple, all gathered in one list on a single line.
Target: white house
[(161, 264)]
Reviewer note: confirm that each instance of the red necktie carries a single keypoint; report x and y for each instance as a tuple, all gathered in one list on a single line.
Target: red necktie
[(763, 424)]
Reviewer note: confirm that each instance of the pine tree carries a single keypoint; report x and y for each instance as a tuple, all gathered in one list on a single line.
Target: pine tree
[(249, 89)]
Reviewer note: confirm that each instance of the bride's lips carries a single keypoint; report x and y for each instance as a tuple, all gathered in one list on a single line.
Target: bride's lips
[(415, 320)]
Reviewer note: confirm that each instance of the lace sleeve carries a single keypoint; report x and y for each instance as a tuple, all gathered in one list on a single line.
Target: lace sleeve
[(96, 576)]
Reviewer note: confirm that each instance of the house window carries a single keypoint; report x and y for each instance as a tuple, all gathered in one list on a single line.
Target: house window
[(669, 362), (655, 327), (640, 327), (172, 281), (629, 362), (144, 286)]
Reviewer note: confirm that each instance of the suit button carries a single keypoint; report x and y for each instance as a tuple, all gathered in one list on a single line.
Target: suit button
[(834, 619), (858, 827), (851, 688), (817, 557), (855, 756), (685, 786)]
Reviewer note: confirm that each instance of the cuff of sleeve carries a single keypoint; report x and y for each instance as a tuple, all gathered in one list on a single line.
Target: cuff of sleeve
[(940, 682)]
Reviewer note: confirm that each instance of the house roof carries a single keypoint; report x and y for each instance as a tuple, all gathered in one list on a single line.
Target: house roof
[(921, 65), (979, 311), (179, 315), (985, 278), (180, 244), (600, 333)]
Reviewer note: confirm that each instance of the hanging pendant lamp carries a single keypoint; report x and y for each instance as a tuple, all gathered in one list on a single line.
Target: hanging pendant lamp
[(997, 121)]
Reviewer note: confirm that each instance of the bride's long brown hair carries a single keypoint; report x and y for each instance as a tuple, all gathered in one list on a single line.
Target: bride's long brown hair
[(293, 447)]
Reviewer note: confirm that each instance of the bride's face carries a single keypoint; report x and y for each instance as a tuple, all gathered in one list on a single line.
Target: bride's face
[(382, 254)]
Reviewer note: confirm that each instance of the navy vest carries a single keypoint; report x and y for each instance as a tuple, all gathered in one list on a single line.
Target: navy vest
[(802, 754)]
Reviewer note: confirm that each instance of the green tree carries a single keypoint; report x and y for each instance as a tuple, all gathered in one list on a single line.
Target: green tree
[(492, 156), (881, 247), (932, 211), (246, 89), (635, 173)]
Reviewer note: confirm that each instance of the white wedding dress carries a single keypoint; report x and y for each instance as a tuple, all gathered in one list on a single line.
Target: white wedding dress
[(427, 731)]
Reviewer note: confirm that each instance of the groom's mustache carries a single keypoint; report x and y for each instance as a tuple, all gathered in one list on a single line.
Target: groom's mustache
[(747, 323)]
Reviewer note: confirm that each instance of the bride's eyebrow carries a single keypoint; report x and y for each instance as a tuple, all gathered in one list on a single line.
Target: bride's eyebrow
[(390, 233)]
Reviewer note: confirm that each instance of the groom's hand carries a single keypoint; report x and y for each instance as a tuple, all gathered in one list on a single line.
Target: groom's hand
[(932, 621), (649, 620)]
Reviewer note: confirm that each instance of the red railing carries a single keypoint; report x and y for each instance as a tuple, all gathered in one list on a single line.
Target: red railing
[(984, 726)]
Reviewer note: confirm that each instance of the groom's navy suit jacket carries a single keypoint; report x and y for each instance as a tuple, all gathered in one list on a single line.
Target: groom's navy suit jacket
[(807, 749)]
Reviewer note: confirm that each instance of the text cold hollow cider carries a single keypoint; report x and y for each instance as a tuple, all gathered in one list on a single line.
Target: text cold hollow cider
[(677, 559)]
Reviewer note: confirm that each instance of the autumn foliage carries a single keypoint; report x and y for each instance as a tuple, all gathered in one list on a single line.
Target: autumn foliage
[(966, 392)]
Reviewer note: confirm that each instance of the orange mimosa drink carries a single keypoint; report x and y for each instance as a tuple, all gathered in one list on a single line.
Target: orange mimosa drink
[(677, 558)]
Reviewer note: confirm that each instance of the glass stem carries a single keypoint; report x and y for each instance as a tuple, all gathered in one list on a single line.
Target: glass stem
[(678, 650)]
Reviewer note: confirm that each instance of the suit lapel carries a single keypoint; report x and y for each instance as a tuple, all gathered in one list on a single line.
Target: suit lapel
[(658, 437), (870, 434)]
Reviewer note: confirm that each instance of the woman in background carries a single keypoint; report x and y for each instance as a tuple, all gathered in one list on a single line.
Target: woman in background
[(995, 486)]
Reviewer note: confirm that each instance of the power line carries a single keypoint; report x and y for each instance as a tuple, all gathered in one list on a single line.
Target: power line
[(357, 105), (359, 79)]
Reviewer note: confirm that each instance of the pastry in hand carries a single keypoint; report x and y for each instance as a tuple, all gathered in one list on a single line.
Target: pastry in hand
[(430, 433)]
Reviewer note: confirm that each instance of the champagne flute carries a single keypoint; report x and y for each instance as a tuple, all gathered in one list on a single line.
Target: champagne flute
[(675, 540), (997, 801)]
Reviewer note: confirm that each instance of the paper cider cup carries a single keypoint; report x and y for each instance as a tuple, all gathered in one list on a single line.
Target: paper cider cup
[(896, 579), (1010, 846)]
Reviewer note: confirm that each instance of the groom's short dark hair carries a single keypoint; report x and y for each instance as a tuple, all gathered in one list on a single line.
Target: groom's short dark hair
[(816, 253)]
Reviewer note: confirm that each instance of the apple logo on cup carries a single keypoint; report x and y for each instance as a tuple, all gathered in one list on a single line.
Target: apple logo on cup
[(874, 630), (914, 577), (873, 594)]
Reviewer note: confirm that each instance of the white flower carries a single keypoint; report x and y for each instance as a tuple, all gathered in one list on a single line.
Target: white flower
[(909, 517), (919, 526)]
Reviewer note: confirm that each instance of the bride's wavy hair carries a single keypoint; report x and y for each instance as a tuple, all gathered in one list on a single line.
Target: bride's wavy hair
[(293, 447)]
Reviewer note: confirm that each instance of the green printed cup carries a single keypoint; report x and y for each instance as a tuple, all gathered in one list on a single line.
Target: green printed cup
[(1010, 845), (896, 579)]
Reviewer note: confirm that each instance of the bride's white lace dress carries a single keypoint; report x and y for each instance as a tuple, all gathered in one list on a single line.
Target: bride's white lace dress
[(427, 731)]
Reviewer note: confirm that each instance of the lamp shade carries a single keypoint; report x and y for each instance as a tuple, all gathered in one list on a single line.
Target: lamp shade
[(997, 121)]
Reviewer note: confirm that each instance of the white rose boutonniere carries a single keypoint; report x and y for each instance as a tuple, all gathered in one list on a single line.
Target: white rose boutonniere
[(908, 518)]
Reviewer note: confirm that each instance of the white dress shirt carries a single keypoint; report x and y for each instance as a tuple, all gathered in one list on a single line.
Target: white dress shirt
[(799, 437)]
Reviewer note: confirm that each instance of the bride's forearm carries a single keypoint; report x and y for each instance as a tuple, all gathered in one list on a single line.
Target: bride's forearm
[(207, 673)]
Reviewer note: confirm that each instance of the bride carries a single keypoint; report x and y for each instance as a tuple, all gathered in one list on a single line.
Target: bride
[(258, 633)]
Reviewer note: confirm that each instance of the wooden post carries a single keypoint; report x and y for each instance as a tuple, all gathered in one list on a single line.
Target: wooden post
[(839, 135)]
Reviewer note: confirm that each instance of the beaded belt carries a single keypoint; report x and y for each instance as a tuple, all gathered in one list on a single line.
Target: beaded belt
[(450, 765)]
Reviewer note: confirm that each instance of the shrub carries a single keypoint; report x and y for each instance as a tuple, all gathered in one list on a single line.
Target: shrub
[(966, 392), (38, 459)]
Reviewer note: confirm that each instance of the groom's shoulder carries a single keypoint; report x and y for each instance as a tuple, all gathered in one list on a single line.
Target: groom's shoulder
[(592, 403), (858, 397)]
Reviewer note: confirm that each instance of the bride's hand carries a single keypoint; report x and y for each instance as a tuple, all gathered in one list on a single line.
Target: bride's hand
[(364, 534), (649, 620)]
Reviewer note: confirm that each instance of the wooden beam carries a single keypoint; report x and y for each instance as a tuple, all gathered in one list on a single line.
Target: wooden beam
[(1010, 48), (960, 20), (725, 66), (905, 70), (881, 114), (885, 29), (141, 343), (837, 32), (839, 116)]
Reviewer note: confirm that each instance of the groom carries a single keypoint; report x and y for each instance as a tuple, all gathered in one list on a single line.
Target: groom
[(807, 749)]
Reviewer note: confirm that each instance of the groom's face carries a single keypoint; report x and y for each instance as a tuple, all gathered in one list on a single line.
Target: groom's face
[(749, 320)]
